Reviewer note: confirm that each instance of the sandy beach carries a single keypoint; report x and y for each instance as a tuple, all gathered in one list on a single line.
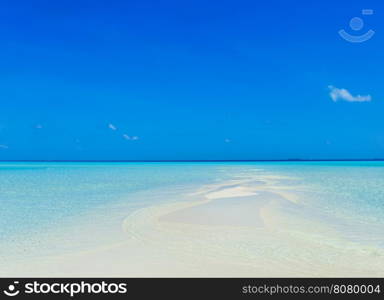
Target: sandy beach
[(246, 227)]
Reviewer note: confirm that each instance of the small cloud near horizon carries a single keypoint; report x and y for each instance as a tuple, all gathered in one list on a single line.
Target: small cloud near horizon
[(344, 95), (130, 138), (111, 126)]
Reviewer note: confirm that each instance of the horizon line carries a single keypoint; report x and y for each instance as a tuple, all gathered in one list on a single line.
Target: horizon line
[(202, 160)]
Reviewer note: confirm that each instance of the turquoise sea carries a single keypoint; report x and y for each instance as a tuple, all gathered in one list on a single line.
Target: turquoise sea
[(35, 197)]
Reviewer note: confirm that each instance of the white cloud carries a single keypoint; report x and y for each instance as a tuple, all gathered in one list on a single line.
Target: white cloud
[(343, 94), (111, 126), (132, 138)]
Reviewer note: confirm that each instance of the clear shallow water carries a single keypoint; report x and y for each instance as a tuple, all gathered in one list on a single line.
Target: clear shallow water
[(349, 189), (35, 196)]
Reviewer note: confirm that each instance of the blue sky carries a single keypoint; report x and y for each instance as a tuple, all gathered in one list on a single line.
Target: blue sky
[(189, 80)]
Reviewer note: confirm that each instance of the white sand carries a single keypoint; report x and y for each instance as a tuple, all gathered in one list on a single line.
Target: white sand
[(235, 229)]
